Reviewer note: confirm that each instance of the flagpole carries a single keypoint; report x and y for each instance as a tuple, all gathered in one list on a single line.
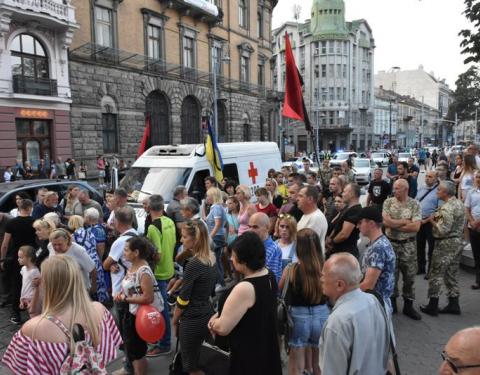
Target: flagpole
[(215, 105)]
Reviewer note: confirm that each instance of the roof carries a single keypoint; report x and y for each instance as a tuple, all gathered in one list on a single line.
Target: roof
[(7, 186)]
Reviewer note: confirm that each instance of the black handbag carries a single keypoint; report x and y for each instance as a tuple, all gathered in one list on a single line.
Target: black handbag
[(284, 315)]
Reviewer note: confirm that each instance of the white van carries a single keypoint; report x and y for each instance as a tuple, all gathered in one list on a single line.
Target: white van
[(161, 168)]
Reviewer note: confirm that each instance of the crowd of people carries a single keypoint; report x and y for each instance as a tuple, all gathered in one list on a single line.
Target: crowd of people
[(305, 236), (67, 169)]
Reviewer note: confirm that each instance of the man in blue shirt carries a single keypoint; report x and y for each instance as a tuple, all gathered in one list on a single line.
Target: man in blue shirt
[(413, 172), (427, 196), (259, 223), (378, 264)]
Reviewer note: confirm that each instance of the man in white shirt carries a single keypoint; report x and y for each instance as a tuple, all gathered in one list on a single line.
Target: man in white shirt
[(355, 338), (312, 217)]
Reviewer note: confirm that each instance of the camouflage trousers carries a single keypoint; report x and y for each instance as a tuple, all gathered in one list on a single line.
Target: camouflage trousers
[(444, 269), (406, 263)]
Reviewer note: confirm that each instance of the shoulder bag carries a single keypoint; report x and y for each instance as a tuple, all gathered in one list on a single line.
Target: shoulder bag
[(284, 315)]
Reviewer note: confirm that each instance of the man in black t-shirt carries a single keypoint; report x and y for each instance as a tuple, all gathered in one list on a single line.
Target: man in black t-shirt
[(345, 234), (18, 232), (379, 189)]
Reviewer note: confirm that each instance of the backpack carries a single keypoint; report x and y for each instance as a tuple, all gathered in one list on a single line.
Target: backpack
[(83, 360)]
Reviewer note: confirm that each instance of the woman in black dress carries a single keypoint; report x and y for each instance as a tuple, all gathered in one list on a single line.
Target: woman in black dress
[(248, 315), (193, 303)]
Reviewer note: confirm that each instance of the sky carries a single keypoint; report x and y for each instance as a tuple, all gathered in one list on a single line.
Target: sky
[(407, 33)]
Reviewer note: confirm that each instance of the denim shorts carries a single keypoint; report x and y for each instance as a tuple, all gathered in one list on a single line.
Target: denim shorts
[(308, 322)]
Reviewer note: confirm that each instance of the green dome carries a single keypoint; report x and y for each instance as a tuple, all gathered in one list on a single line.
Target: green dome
[(328, 17)]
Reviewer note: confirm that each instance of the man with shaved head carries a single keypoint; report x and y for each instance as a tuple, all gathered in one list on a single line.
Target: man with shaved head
[(461, 354), (402, 217), (355, 338), (260, 224)]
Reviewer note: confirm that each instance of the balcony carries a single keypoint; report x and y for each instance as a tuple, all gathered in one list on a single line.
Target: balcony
[(34, 86), (49, 9), (201, 10), (108, 56)]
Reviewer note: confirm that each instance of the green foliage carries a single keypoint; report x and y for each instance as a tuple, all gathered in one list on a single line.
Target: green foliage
[(467, 95), (471, 37)]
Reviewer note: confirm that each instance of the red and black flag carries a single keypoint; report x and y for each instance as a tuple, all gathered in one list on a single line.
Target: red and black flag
[(293, 104), (146, 142)]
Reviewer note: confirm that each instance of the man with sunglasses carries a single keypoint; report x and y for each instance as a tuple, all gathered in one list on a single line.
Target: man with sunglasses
[(461, 354)]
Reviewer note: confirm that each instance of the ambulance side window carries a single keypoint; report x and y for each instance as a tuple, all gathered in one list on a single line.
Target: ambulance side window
[(197, 187), (230, 171)]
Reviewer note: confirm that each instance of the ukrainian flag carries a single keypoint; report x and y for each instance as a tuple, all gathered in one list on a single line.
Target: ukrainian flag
[(212, 153)]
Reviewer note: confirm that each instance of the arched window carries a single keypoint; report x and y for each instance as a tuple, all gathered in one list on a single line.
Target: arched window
[(190, 118), (158, 108), (29, 58), (222, 121), (246, 127)]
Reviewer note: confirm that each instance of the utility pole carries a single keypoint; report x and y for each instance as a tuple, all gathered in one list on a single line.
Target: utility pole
[(215, 106), (421, 124), (390, 127)]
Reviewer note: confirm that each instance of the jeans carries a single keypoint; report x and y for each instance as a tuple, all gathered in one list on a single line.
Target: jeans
[(425, 236), (219, 244), (165, 343), (308, 323)]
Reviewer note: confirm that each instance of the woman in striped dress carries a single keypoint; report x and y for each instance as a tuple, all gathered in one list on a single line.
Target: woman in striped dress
[(193, 303), (41, 346)]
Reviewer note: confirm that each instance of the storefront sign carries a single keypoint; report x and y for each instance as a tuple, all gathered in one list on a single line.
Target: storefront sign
[(34, 113)]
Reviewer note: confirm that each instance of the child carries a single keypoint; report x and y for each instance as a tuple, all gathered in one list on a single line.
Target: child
[(29, 272)]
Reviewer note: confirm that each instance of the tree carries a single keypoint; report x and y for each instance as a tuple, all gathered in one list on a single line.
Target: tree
[(471, 37), (467, 95)]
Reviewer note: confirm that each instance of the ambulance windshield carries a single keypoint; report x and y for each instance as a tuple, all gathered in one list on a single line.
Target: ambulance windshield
[(141, 182)]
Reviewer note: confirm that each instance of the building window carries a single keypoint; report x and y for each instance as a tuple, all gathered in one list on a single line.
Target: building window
[(28, 57), (188, 52), (344, 71), (158, 111), (260, 23), (154, 44), (190, 119), (324, 48), (217, 57), (331, 46), (103, 27), (331, 70), (244, 63), (246, 132), (222, 121), (109, 133), (243, 14), (324, 70), (261, 75)]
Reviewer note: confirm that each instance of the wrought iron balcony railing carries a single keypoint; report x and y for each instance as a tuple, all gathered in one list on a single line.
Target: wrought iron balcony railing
[(34, 86)]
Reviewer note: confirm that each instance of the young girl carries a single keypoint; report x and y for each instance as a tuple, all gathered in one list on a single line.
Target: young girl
[(29, 272), (138, 288)]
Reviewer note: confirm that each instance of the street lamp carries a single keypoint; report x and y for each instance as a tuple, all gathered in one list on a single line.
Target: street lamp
[(215, 66)]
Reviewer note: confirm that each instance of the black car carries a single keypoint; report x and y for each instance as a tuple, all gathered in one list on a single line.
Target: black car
[(10, 189)]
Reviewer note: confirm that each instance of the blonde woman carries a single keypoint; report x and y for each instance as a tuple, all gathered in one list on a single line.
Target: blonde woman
[(272, 187), (243, 194), (466, 178), (85, 238), (193, 306), (69, 200), (287, 233), (43, 229), (43, 343)]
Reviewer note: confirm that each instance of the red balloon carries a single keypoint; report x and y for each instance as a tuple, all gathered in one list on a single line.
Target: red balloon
[(149, 324)]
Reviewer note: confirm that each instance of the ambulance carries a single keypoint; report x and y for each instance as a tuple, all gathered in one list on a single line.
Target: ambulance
[(162, 168)]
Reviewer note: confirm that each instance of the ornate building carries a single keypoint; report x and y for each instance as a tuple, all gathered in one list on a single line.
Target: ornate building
[(154, 59), (35, 93), (335, 59)]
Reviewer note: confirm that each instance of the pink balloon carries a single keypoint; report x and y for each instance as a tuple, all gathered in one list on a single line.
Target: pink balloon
[(149, 324)]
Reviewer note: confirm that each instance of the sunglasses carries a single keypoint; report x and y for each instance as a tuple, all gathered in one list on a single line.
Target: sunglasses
[(455, 368), (284, 216)]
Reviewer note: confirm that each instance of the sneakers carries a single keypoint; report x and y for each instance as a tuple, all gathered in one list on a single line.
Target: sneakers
[(155, 352), (15, 319)]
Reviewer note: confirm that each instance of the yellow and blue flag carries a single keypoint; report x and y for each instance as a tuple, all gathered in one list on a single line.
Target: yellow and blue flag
[(212, 153)]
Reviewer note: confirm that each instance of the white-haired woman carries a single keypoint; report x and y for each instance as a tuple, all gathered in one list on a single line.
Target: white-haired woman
[(243, 194), (43, 343), (86, 239), (216, 220), (91, 218)]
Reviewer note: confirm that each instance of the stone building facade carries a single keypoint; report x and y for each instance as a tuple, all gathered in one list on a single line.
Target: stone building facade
[(336, 60), (35, 93), (160, 69)]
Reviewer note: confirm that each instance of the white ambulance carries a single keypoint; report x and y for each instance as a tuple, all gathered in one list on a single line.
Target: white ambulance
[(161, 168)]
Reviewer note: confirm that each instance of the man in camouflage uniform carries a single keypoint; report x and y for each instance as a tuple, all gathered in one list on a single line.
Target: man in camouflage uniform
[(325, 174), (402, 217), (447, 227)]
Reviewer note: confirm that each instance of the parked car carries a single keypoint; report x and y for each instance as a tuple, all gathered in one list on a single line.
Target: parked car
[(363, 169), (380, 158), (297, 162), (8, 190), (404, 156), (340, 157)]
